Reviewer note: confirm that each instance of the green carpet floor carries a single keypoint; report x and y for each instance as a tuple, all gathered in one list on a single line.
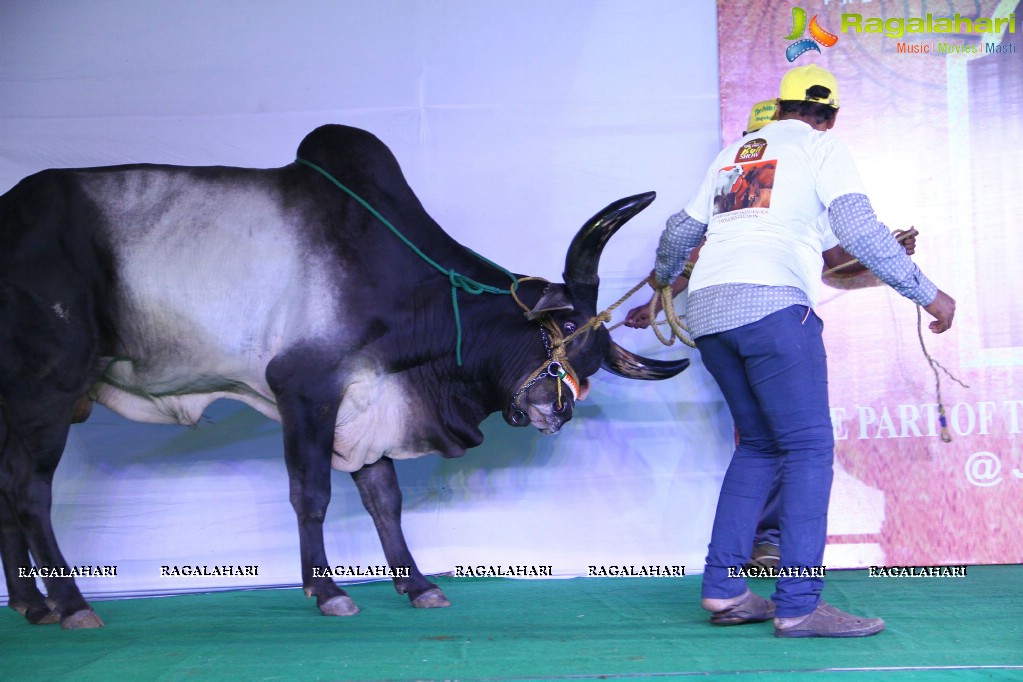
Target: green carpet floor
[(594, 628)]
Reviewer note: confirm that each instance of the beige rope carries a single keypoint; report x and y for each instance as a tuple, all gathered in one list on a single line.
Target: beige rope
[(672, 319), (678, 328), (946, 435), (559, 342), (679, 331)]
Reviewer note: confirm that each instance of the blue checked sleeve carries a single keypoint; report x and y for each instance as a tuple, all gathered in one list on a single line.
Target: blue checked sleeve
[(681, 235), (865, 237)]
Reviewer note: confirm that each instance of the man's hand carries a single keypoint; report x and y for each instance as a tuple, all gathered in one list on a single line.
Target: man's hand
[(639, 317), (908, 240), (943, 308)]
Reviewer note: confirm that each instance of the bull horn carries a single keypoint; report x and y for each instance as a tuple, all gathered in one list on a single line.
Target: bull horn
[(631, 366), (583, 258), (581, 265)]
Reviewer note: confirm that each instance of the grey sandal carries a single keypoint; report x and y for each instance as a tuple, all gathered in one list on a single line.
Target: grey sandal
[(752, 608), (827, 621)]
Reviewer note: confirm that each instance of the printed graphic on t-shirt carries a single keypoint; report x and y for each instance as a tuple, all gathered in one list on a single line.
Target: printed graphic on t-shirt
[(744, 185), (751, 151)]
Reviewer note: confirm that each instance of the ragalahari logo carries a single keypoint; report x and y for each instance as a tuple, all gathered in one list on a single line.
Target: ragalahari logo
[(818, 35)]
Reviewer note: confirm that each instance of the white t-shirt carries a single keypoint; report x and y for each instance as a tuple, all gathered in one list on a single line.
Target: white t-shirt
[(764, 200), (830, 240)]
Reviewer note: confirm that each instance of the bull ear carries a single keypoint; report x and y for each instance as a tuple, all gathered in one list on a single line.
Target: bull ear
[(631, 366), (555, 297)]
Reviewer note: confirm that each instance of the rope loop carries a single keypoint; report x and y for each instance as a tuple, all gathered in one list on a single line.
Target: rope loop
[(466, 284)]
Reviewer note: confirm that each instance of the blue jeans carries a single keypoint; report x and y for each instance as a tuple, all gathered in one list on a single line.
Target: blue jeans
[(768, 532), (774, 376)]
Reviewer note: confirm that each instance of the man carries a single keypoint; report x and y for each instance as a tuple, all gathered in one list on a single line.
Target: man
[(750, 311), (834, 255), (768, 535)]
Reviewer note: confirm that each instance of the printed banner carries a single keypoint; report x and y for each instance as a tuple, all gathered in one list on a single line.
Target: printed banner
[(931, 105)]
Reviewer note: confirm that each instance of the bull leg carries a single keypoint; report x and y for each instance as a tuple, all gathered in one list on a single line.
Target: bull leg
[(307, 416), (310, 494), (45, 374), (30, 457), (381, 495), (24, 594)]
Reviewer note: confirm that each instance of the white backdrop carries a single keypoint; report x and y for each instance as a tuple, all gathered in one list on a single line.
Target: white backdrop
[(514, 122)]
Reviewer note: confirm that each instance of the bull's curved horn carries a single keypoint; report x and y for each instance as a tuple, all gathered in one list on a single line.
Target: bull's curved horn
[(581, 265), (583, 258), (631, 366)]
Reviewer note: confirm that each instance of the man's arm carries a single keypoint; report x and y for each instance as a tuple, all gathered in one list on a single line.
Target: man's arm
[(681, 235), (680, 243), (837, 258), (865, 237)]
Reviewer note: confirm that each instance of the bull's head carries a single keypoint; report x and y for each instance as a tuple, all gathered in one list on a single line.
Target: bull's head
[(546, 396)]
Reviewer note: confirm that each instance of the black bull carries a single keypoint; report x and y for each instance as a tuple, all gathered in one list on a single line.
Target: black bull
[(155, 290)]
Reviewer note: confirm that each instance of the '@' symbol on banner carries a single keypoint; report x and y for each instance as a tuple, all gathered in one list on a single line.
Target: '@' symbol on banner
[(818, 34)]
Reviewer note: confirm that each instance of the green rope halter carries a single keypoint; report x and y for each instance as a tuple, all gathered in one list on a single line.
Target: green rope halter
[(457, 280)]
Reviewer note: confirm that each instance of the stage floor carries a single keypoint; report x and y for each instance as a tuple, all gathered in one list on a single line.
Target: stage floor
[(965, 628)]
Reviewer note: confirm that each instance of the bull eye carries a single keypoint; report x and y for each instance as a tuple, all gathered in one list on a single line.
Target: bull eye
[(569, 327)]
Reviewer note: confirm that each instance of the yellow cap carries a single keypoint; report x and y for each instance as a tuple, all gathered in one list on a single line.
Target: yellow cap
[(761, 114), (798, 80)]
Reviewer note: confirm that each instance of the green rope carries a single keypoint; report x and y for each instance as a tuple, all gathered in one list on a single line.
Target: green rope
[(458, 281)]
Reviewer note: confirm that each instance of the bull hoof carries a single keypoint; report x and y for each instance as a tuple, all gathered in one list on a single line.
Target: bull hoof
[(340, 605), (50, 618), (82, 620), (36, 615), (431, 599)]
